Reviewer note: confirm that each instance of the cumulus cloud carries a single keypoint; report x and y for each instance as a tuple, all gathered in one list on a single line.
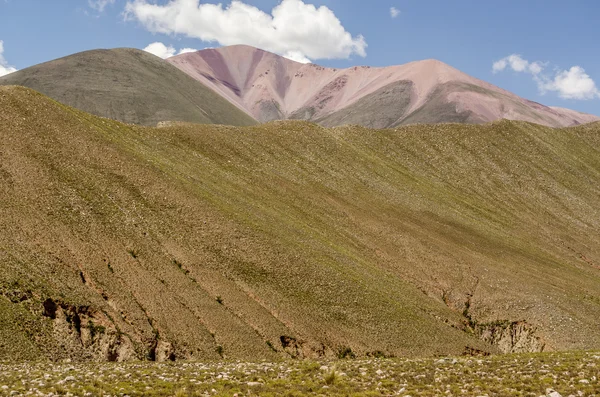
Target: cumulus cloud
[(5, 68), (166, 51), (574, 83), (394, 12), (518, 64), (293, 27), (186, 50), (296, 56), (160, 50), (100, 5)]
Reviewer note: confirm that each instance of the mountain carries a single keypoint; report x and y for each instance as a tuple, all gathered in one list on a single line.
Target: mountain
[(270, 87), (288, 239), (129, 85)]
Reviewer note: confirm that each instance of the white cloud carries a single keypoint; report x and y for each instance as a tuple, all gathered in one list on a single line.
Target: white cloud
[(186, 50), (5, 68), (160, 50), (518, 64), (292, 26), (296, 56), (394, 12), (100, 5), (536, 68), (166, 51), (569, 84)]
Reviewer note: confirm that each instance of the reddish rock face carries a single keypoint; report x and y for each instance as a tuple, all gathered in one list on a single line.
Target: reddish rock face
[(269, 87)]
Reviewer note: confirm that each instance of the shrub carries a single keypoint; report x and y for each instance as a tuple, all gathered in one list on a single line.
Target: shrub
[(331, 377), (346, 352)]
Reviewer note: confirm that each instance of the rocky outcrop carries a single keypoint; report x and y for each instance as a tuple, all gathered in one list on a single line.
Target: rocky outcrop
[(88, 333), (301, 349), (511, 336), (508, 336), (161, 350)]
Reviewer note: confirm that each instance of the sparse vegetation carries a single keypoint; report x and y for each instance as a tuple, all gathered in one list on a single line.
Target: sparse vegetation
[(522, 375)]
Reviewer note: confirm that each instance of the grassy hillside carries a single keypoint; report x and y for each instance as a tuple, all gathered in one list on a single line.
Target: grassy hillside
[(289, 239), (128, 85)]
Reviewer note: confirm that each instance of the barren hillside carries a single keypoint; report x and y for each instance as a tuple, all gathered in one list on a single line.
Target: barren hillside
[(270, 87)]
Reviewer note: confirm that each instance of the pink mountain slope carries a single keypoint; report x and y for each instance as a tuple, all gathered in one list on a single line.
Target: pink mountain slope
[(270, 87)]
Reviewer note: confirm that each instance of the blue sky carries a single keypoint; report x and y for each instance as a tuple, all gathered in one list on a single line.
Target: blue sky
[(557, 41)]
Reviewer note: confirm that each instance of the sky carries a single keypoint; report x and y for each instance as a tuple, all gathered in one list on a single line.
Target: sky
[(546, 51)]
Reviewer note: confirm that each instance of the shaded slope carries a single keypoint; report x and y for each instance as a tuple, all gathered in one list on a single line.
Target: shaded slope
[(128, 85), (271, 87), (202, 241), (381, 109), (437, 108)]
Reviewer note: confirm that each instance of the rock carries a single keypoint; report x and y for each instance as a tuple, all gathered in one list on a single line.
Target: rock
[(164, 351), (552, 393), (254, 384), (442, 361)]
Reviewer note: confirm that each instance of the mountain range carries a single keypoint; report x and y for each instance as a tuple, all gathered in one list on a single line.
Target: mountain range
[(163, 209), (220, 85), (270, 87)]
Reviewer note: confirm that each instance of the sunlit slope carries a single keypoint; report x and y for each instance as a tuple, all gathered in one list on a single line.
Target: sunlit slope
[(128, 85), (271, 87), (291, 239)]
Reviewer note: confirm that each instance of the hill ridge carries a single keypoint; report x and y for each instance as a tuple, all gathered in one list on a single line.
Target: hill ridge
[(129, 85)]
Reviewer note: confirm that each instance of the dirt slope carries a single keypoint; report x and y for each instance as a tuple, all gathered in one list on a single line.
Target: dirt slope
[(288, 239), (128, 85), (270, 87)]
